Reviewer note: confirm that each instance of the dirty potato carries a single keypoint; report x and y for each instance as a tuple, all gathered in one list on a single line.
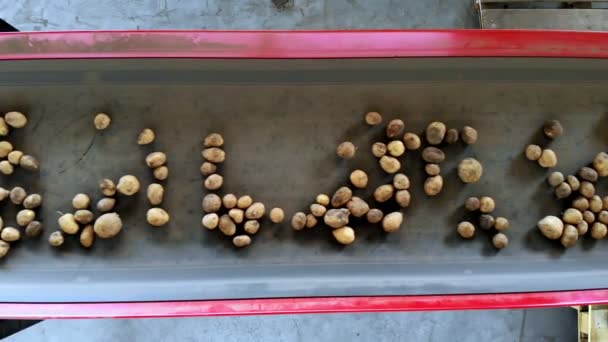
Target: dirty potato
[(598, 231), (359, 179), (472, 204), (32, 201), (432, 169), (102, 121), (574, 183), (588, 174), (357, 206), (486, 221), (83, 216), (451, 136), (466, 229), (411, 141), (401, 182), (435, 132), (107, 187), (252, 226), (241, 241), (208, 168), (433, 155), (588, 216), (555, 178), (317, 210), (580, 203), (384, 192), (500, 241), (587, 189), (379, 149), (336, 218), (156, 159), (298, 221), (33, 229), (394, 128), (29, 163), (244, 202), (373, 118), (346, 150), (501, 224), (10, 234), (553, 128), (374, 215), (5, 148), (4, 130), (563, 190), (595, 204), (17, 195), (486, 204), (600, 164), (433, 185), (6, 168), (470, 170), (56, 239), (128, 185), (341, 197), (211, 203), (146, 137), (237, 215), (255, 211), (311, 221), (161, 173), (213, 140), (87, 236), (155, 193), (572, 216), (469, 135), (229, 201), (214, 155), (14, 157), (582, 228), (569, 236)]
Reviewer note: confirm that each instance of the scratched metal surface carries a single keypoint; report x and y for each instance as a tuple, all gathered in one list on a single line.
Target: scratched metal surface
[(281, 121)]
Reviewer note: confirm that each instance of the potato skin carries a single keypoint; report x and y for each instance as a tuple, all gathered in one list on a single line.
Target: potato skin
[(336, 218)]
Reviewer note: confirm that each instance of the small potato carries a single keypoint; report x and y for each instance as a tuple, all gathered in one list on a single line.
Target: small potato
[(252, 226), (237, 215), (587, 189), (553, 129), (433, 185), (84, 216), (580, 203), (344, 235), (335, 218), (582, 228), (32, 201), (569, 236), (346, 150), (472, 204), (551, 227), (411, 141), (533, 152), (563, 190), (548, 159), (469, 135), (81, 201), (6, 168), (161, 173), (128, 185), (602, 216), (432, 169), (433, 155), (486, 204), (10, 234), (106, 204), (214, 155), (146, 137), (102, 121), (156, 159), (500, 241), (403, 198), (486, 221), (341, 197), (588, 174), (5, 148), (157, 217), (588, 216), (277, 215), (572, 216), (255, 211), (401, 182), (15, 119), (210, 221), (107, 187), (14, 157), (33, 229), (17, 195), (466, 229), (213, 140), (574, 183), (298, 221), (4, 248), (322, 199), (435, 132), (317, 210), (56, 239), (29, 163), (211, 203), (598, 231), (394, 128), (214, 182), (555, 178), (311, 221), (501, 224), (595, 204), (208, 168), (25, 216), (68, 224), (392, 222), (384, 192), (359, 179), (155, 193), (470, 170), (374, 215), (390, 164), (373, 118), (229, 201), (87, 236), (396, 148), (451, 136), (4, 130), (600, 164), (241, 241), (244, 202), (379, 149), (357, 207), (107, 225)]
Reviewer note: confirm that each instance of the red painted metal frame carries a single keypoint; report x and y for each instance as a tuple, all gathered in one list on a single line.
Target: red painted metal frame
[(302, 44)]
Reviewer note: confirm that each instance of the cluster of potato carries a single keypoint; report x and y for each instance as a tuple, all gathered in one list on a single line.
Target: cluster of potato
[(10, 158), (26, 217), (546, 158), (156, 161), (485, 205)]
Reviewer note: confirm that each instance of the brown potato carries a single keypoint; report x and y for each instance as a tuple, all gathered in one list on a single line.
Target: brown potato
[(33, 229), (390, 164), (500, 241), (501, 224), (298, 221), (598, 231), (486, 221), (277, 215), (214, 155), (84, 216), (244, 202), (341, 197), (394, 128), (211, 203), (595, 204), (588, 174), (551, 227), (433, 155), (14, 157), (403, 198), (128, 185), (81, 201), (379, 149), (10, 234), (4, 130), (107, 225), (600, 164), (213, 140), (470, 170), (384, 192), (161, 173), (344, 235), (252, 227), (5, 148), (208, 168), (29, 163), (563, 190), (555, 178), (237, 215), (580, 203), (359, 179), (572, 216), (311, 221), (472, 204), (374, 215), (241, 241), (210, 221), (102, 121), (433, 185), (396, 148), (32, 201), (582, 228), (107, 187), (569, 236), (317, 210), (68, 224), (432, 169), (451, 136), (6, 168), (214, 182), (157, 217), (87, 236), (336, 218), (469, 135), (15, 119), (17, 195), (155, 193), (466, 229), (435, 132), (411, 141), (392, 222), (357, 206), (146, 136), (322, 199), (346, 150), (229, 201), (373, 118), (56, 239), (255, 211), (588, 216), (602, 216), (486, 204), (548, 159), (533, 152), (106, 204), (587, 189), (401, 182), (574, 183), (553, 128), (156, 159)]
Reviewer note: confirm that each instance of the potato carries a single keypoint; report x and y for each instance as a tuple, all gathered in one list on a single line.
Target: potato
[(15, 119), (4, 248), (469, 135), (533, 152), (68, 224), (346, 150), (587, 189), (433, 185), (87, 236), (56, 239), (588, 174), (572, 216), (595, 204), (208, 168), (107, 225), (102, 121), (336, 218), (4, 194), (569, 236), (433, 155), (161, 173), (107, 187), (84, 216), (500, 241), (359, 179), (156, 159), (157, 217), (394, 128), (311, 221), (18, 195), (401, 182), (81, 201), (373, 118), (344, 235), (470, 170), (317, 210), (379, 149), (298, 221), (252, 226), (548, 159), (432, 169), (563, 190), (486, 204), (211, 203), (384, 192), (244, 202), (322, 199), (241, 241), (25, 216), (580, 203), (600, 164), (237, 215), (574, 183), (29, 163), (128, 185), (32, 201), (357, 206), (106, 204), (4, 130), (555, 178), (588, 216), (210, 221), (155, 194), (390, 164), (14, 157), (451, 136), (213, 140), (472, 204), (411, 141), (10, 234), (602, 216), (33, 229), (486, 221), (466, 230), (396, 148), (598, 231), (551, 227), (213, 182), (403, 198), (229, 201), (582, 228), (553, 128), (501, 224), (435, 132), (214, 155), (146, 137), (374, 215), (277, 215), (341, 197), (5, 148), (392, 222), (6, 168), (255, 211)]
